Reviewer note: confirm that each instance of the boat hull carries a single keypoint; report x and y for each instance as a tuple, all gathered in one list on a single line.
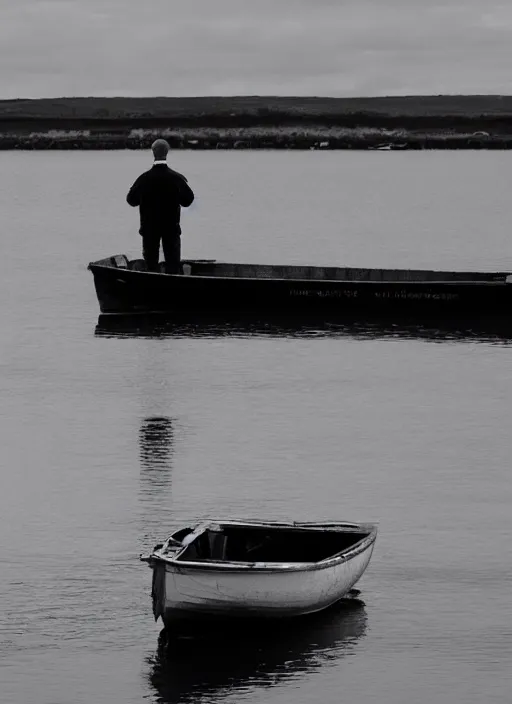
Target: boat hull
[(254, 569), (193, 594), (122, 291)]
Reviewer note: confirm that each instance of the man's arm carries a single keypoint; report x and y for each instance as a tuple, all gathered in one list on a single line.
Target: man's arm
[(133, 197), (186, 194)]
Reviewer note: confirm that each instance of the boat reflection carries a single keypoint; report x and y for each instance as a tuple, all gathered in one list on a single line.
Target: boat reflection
[(496, 330), (208, 665)]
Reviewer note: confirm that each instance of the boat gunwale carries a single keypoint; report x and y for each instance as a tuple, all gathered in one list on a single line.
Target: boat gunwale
[(388, 282), (264, 567)]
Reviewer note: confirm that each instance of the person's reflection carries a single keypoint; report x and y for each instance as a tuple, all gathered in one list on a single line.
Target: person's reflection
[(156, 452), (156, 438), (209, 665)]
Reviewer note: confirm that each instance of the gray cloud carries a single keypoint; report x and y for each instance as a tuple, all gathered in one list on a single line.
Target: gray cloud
[(201, 47)]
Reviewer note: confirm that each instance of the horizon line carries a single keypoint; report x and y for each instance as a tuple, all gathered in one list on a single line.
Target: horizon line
[(262, 97)]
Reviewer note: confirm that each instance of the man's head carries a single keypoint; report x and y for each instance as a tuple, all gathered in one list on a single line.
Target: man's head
[(160, 149)]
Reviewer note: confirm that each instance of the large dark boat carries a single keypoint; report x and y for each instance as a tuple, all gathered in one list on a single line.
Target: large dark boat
[(126, 287)]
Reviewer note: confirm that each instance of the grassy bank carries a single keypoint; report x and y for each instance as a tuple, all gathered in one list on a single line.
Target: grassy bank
[(415, 122)]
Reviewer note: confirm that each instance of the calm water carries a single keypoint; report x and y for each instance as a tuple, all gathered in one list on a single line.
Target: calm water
[(111, 439)]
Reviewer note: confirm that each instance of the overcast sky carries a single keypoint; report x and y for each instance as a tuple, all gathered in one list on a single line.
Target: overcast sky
[(52, 48)]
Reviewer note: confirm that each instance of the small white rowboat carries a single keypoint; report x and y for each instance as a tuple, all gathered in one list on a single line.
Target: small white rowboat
[(257, 569)]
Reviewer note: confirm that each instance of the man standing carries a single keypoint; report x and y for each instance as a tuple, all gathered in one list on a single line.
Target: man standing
[(160, 194)]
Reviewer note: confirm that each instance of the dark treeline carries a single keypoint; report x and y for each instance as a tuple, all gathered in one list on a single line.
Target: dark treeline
[(460, 123), (261, 106), (99, 123)]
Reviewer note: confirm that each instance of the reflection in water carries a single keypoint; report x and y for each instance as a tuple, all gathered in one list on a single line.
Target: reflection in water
[(487, 330), (156, 437), (156, 450), (208, 665)]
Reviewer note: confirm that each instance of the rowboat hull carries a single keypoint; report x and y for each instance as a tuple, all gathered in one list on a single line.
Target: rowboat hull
[(264, 595), (206, 589), (207, 286)]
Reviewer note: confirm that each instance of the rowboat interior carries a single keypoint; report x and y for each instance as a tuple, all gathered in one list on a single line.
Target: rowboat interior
[(241, 543), (212, 268)]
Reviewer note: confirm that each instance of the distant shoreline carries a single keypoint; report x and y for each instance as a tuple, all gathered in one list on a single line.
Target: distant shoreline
[(245, 122)]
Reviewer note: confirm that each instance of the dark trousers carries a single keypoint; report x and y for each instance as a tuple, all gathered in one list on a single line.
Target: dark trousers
[(171, 244)]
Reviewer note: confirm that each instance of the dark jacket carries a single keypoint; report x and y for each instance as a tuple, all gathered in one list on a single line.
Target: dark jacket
[(160, 193)]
